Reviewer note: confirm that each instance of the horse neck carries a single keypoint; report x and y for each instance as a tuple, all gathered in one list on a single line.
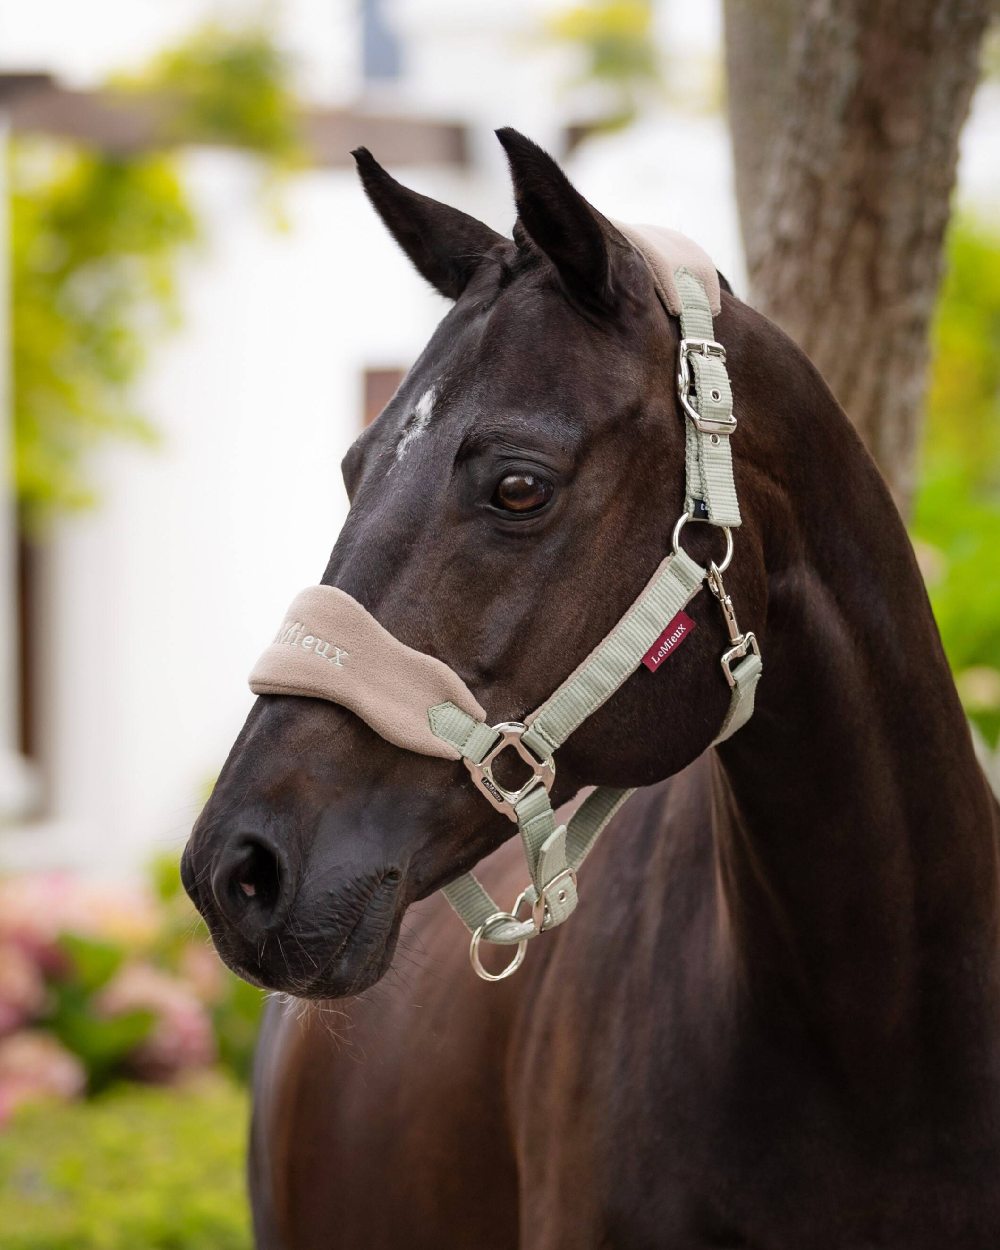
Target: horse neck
[(856, 835)]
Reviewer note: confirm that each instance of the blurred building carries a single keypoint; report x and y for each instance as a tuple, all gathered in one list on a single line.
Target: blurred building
[(146, 615)]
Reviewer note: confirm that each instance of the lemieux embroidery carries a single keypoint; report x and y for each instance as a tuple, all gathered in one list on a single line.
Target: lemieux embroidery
[(293, 634)]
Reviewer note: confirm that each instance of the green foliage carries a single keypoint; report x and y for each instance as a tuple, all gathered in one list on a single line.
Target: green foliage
[(236, 1020), (137, 1169), (127, 983), (616, 40), (956, 520), (101, 1043), (237, 1006), (227, 87), (95, 243)]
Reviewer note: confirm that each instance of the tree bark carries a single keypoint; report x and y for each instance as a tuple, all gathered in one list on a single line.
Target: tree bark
[(846, 116)]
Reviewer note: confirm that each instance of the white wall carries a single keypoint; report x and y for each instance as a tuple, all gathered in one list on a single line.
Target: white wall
[(158, 603)]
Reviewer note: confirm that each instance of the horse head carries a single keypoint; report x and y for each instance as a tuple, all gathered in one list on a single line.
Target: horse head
[(506, 508)]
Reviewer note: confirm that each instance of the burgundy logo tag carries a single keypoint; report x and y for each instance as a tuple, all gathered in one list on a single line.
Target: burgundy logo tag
[(668, 641)]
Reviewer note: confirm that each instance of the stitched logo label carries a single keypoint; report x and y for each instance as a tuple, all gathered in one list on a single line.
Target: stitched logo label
[(293, 634), (668, 642)]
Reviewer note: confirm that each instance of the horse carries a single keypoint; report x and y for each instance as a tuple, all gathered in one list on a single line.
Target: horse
[(773, 1021)]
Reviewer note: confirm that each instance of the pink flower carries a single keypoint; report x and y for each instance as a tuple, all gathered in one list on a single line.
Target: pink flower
[(202, 968), (181, 1037), (36, 909), (22, 989), (35, 1066)]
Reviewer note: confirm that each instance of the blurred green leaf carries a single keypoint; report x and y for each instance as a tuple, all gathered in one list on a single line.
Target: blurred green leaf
[(616, 41), (101, 1043), (92, 962), (165, 877), (226, 86), (237, 1019)]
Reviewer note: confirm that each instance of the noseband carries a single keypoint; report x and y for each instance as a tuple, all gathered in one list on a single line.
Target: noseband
[(330, 647)]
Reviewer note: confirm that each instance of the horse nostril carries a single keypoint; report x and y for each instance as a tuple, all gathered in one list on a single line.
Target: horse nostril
[(248, 884), (258, 877)]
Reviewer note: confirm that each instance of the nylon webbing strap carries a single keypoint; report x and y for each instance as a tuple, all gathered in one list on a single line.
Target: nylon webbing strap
[(473, 738), (677, 580), (710, 493), (746, 675), (551, 850), (475, 907)]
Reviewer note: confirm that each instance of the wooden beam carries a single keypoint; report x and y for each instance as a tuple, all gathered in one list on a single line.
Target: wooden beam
[(124, 124), (12, 85), (331, 134), (112, 122)]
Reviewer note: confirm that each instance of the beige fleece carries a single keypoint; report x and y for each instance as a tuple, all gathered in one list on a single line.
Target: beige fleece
[(330, 647), (667, 250)]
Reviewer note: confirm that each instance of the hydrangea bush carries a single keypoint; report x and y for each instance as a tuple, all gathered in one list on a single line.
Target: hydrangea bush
[(101, 984)]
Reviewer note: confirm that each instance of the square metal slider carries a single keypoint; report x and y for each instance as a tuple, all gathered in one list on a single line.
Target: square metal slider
[(543, 771)]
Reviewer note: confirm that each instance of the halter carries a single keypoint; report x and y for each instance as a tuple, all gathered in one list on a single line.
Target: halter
[(330, 647)]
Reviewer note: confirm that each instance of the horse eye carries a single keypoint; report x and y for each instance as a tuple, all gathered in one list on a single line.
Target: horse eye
[(522, 492)]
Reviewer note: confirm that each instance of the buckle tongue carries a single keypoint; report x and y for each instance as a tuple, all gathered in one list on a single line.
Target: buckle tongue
[(556, 889), (543, 770), (710, 349)]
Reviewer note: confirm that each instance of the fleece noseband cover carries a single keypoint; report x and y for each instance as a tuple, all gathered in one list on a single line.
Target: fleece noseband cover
[(329, 647)]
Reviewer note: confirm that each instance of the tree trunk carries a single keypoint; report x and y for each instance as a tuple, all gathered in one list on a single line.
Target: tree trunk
[(846, 116)]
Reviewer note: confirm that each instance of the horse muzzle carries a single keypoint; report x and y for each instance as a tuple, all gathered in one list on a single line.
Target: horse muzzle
[(322, 929)]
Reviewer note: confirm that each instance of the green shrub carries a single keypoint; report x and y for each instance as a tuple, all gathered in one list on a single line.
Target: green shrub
[(956, 515), (138, 1168), (95, 240)]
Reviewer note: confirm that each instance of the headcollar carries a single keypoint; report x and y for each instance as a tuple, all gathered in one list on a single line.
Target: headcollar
[(329, 647)]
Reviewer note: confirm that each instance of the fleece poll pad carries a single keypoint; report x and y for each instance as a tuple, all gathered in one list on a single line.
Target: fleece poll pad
[(329, 647), (666, 251)]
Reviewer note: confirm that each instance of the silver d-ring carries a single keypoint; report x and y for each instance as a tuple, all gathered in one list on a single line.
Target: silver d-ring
[(477, 937), (683, 519)]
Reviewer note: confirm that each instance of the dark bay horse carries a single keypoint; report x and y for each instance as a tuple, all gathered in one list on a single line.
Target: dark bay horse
[(774, 1020)]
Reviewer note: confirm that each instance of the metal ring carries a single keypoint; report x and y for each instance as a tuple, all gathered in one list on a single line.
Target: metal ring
[(683, 519), (477, 937)]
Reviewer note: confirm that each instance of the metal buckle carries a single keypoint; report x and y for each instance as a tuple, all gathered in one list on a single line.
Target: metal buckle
[(477, 937), (504, 800), (685, 384), (540, 907), (746, 644)]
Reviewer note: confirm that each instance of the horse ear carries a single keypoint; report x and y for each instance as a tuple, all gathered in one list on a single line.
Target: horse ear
[(578, 239), (444, 244)]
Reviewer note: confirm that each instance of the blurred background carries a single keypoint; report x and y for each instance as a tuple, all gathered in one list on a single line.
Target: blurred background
[(199, 313)]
